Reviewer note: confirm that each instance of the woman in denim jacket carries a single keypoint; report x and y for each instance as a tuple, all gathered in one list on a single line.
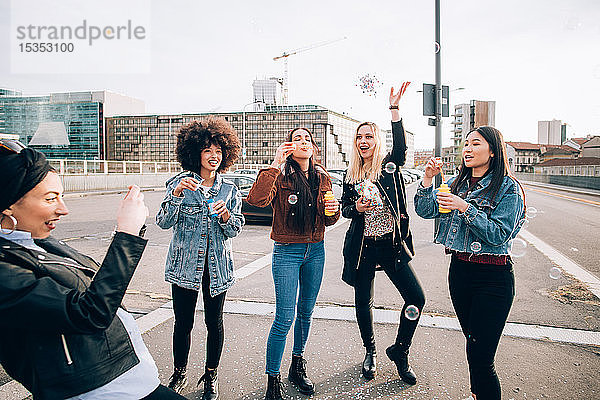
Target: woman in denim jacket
[(486, 211), (200, 251)]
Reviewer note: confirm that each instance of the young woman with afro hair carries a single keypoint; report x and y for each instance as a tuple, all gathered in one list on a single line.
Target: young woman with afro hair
[(204, 211)]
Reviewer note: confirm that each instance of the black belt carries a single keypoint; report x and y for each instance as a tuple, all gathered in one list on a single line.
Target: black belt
[(387, 236)]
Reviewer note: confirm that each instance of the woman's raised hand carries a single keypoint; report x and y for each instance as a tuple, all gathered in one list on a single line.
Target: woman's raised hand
[(432, 168), (186, 183), (395, 97), (132, 212), (282, 153)]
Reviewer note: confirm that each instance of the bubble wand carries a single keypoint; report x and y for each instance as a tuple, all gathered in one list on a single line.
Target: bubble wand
[(443, 188)]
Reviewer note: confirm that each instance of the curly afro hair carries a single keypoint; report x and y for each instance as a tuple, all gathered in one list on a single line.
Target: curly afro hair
[(199, 135)]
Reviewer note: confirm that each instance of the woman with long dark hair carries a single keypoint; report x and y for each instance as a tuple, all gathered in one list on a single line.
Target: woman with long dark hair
[(480, 215), (379, 234), (297, 189)]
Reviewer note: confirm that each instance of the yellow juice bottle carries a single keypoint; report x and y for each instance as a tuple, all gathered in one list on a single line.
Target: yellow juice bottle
[(328, 196), (446, 189)]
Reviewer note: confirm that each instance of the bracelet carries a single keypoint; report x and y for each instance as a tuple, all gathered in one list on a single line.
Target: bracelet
[(393, 107)]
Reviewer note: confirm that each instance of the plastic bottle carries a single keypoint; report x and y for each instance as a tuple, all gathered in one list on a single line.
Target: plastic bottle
[(211, 208), (445, 189), (328, 196)]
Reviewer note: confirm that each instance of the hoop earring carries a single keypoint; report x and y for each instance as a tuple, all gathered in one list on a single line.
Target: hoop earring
[(14, 221)]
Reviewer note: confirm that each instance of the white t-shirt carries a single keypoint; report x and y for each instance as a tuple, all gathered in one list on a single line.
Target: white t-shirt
[(139, 381)]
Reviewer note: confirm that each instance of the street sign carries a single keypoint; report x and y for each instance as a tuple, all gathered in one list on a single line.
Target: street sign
[(429, 100)]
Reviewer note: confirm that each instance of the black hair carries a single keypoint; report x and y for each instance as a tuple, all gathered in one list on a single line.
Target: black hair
[(199, 135), (303, 213), (498, 163)]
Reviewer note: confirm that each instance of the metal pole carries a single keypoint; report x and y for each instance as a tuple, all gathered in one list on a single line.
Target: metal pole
[(438, 96), (244, 136)]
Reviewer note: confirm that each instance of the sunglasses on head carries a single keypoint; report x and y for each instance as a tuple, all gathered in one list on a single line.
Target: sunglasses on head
[(11, 146)]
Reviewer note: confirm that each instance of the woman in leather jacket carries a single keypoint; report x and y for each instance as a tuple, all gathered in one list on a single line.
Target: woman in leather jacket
[(62, 331), (379, 235)]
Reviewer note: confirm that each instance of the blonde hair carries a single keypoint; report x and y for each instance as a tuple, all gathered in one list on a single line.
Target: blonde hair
[(358, 170)]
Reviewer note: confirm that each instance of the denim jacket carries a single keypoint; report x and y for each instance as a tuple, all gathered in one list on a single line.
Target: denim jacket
[(486, 226), (196, 234)]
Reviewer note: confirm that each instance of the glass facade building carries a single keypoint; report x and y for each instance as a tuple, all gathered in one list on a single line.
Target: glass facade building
[(153, 137), (61, 125)]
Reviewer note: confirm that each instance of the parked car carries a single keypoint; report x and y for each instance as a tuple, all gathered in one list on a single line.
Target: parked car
[(252, 213), (245, 171)]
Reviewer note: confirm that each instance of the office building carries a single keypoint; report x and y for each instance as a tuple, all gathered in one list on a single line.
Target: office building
[(552, 132), (468, 117), (266, 92), (63, 125), (410, 144), (153, 137)]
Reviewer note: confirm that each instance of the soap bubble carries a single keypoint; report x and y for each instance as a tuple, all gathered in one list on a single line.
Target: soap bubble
[(525, 224), (475, 247), (390, 167), (411, 313), (517, 247), (555, 273), (531, 212), (292, 199)]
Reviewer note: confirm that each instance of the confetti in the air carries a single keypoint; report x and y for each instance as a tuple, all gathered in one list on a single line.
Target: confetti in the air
[(369, 84)]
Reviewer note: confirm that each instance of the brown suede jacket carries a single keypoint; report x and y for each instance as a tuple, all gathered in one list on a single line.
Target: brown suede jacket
[(270, 188)]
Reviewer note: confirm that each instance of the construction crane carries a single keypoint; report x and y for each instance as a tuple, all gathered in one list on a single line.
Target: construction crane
[(286, 54)]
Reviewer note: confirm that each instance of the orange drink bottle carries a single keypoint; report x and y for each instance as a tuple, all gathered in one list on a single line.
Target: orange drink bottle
[(444, 188), (328, 196)]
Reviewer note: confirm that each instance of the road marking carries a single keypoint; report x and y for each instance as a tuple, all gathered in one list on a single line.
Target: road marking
[(592, 202), (563, 262)]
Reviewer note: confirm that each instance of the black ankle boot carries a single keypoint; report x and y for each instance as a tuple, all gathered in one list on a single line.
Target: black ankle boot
[(211, 388), (274, 388), (178, 380), (298, 375), (369, 365), (399, 355)]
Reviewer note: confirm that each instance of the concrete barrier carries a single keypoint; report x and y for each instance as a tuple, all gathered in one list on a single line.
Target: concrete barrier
[(95, 182)]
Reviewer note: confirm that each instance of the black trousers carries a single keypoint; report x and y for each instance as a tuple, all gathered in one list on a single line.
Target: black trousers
[(482, 295), (184, 306), (163, 393), (404, 279)]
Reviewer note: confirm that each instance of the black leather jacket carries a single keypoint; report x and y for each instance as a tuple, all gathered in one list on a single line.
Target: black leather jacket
[(58, 333), (393, 192)]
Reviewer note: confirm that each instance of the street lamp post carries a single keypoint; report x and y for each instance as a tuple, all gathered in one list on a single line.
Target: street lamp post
[(244, 155)]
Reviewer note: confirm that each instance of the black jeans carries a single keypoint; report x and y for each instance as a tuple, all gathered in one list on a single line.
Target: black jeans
[(163, 393), (184, 306), (404, 279), (482, 295)]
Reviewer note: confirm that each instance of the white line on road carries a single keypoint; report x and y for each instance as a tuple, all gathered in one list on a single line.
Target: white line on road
[(564, 262)]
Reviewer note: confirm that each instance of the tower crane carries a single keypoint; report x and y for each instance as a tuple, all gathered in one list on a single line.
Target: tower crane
[(286, 54)]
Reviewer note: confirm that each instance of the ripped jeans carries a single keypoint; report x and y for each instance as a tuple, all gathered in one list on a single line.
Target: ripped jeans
[(297, 273)]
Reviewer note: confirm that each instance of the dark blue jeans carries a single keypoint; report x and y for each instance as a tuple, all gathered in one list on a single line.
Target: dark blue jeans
[(297, 274), (482, 295)]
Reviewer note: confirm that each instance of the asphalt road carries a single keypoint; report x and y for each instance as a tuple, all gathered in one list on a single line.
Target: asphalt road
[(570, 223)]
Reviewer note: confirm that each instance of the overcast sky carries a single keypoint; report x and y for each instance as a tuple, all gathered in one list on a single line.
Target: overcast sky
[(537, 59)]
